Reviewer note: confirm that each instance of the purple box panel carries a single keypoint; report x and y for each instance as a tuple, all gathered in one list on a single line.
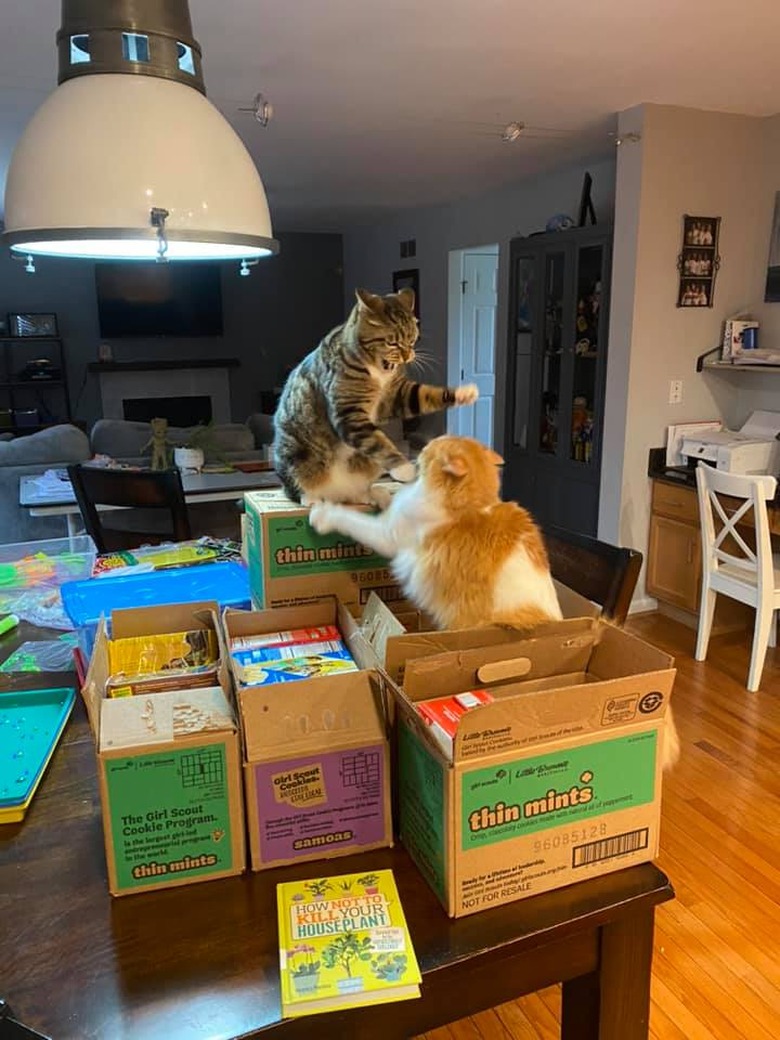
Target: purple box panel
[(320, 802)]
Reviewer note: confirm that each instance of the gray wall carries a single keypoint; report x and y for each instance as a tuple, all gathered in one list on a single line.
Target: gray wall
[(271, 319), (371, 254)]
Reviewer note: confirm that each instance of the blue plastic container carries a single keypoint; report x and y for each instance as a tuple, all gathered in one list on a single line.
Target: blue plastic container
[(85, 601)]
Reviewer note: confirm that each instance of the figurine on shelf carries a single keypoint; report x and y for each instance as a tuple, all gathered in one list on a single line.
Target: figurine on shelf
[(158, 442)]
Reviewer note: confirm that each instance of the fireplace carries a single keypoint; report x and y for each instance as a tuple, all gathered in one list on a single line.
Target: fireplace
[(184, 392), (179, 411)]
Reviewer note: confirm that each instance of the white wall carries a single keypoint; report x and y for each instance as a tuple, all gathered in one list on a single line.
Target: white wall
[(371, 254), (694, 162)]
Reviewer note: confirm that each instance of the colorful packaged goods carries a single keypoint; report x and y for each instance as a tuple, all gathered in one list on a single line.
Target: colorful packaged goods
[(304, 653), (444, 713)]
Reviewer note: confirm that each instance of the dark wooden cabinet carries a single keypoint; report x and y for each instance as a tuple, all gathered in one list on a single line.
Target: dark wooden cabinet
[(556, 372)]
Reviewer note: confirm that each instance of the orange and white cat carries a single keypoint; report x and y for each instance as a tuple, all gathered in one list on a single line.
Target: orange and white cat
[(461, 554)]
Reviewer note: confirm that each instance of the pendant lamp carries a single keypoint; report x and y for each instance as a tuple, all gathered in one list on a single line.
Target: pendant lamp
[(127, 159)]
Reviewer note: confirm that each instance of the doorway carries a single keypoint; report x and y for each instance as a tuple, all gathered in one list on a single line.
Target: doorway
[(471, 337)]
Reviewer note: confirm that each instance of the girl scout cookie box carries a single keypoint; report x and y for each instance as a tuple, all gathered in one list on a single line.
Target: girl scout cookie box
[(169, 765), (316, 754), (289, 563), (557, 779)]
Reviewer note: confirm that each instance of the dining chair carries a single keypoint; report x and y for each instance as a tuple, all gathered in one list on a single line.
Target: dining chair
[(730, 563), (605, 574), (153, 496)]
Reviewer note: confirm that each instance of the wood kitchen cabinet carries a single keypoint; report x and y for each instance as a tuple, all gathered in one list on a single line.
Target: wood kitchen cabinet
[(674, 564)]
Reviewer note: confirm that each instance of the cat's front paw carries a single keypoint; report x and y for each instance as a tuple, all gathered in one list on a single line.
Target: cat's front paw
[(404, 473), (321, 517), (466, 394)]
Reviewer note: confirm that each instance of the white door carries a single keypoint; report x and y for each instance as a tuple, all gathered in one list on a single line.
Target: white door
[(478, 344)]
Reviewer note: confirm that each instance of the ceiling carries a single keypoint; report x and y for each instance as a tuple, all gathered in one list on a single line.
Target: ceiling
[(381, 106)]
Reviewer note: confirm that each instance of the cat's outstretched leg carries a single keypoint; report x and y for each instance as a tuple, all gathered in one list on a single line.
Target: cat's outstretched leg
[(412, 399), (372, 531)]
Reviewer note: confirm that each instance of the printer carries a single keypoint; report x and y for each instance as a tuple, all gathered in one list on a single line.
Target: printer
[(752, 449)]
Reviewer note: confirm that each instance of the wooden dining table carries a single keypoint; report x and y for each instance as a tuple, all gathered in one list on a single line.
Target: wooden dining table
[(200, 962)]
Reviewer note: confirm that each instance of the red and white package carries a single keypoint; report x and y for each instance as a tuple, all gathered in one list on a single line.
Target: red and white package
[(444, 713)]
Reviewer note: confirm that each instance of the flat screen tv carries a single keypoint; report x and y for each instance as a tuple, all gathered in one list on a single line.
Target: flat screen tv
[(151, 299)]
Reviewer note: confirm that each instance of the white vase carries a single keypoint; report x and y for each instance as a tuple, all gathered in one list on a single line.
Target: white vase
[(188, 460)]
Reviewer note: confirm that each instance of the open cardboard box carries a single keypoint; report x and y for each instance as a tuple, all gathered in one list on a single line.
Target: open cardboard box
[(397, 638), (557, 780), (169, 766), (316, 752), (291, 565)]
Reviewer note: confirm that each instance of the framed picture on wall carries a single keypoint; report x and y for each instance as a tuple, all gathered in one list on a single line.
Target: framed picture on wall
[(409, 279), (772, 291), (698, 261)]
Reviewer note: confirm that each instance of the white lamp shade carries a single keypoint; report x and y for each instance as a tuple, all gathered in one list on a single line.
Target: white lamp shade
[(103, 150)]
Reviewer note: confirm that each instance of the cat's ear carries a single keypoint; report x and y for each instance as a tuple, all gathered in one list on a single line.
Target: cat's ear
[(368, 300), (406, 296), (455, 465)]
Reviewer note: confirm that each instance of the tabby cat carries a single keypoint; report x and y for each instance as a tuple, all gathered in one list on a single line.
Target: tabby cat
[(327, 440), (461, 554)]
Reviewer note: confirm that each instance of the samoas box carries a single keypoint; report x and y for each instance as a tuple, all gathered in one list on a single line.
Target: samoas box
[(316, 753), (291, 565), (169, 765)]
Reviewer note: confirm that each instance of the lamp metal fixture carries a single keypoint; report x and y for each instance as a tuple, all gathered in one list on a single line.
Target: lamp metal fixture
[(261, 109), (127, 159)]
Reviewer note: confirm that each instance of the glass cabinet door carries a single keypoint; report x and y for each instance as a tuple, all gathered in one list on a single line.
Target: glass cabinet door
[(525, 321), (586, 351), (552, 352)]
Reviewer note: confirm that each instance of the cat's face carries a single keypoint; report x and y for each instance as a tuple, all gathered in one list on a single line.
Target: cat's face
[(461, 470), (387, 328)]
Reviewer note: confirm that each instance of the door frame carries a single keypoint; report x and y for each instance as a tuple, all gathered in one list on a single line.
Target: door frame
[(455, 274)]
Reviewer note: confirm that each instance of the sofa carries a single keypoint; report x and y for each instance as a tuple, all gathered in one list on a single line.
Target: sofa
[(59, 446)]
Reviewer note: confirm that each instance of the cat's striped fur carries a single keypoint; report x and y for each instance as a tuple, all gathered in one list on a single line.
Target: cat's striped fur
[(328, 444)]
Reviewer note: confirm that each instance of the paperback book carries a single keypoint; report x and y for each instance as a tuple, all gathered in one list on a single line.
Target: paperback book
[(343, 942)]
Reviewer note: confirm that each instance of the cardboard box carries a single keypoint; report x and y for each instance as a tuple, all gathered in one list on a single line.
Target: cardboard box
[(169, 766), (556, 781), (580, 697), (399, 638), (291, 565), (316, 753)]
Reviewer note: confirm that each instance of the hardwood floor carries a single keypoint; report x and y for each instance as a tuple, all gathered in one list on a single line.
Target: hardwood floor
[(716, 970)]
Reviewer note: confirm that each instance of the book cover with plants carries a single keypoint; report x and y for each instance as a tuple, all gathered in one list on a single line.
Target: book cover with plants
[(343, 942)]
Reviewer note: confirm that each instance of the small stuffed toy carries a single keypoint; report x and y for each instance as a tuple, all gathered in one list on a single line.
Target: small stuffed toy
[(159, 444)]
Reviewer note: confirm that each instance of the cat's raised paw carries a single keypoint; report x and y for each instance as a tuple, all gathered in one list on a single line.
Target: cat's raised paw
[(466, 394), (404, 473), (321, 517)]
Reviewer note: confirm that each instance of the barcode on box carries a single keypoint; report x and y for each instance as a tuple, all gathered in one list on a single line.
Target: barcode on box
[(608, 848)]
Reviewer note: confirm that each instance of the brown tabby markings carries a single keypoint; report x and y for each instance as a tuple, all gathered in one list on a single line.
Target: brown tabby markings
[(327, 441)]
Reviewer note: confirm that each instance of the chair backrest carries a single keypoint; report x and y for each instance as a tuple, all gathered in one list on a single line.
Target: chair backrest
[(141, 489), (603, 573), (725, 501)]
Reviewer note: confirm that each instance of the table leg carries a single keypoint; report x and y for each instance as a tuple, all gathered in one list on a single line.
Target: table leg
[(613, 1003), (72, 520)]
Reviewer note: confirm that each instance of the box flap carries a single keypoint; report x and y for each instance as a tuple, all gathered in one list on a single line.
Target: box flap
[(93, 690), (377, 624), (568, 649), (307, 718), (173, 617), (572, 604), (620, 653), (163, 717)]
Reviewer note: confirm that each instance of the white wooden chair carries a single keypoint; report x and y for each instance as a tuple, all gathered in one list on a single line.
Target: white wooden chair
[(749, 575)]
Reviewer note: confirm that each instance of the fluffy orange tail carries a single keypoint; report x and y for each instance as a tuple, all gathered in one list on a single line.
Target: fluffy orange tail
[(524, 618)]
